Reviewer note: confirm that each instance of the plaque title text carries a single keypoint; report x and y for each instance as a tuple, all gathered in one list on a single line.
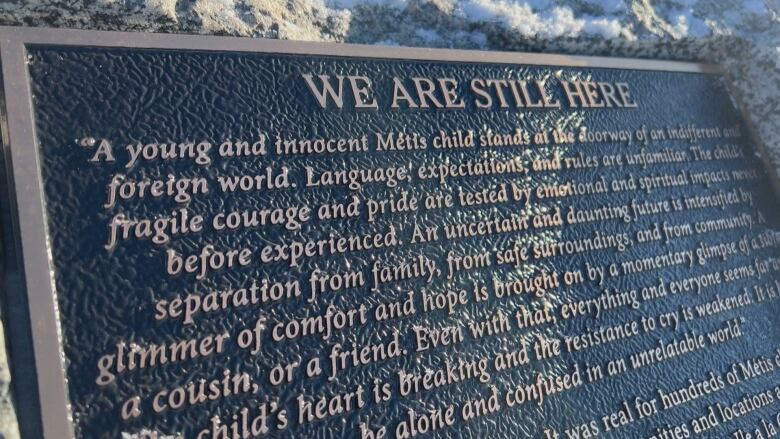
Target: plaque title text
[(357, 91)]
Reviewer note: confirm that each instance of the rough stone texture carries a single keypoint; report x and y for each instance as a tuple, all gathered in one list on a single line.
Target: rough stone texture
[(743, 36), (8, 427)]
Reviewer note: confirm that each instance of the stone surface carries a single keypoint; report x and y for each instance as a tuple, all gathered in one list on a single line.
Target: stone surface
[(743, 36), (8, 427)]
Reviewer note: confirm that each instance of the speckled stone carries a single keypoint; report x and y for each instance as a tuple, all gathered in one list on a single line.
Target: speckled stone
[(8, 427), (742, 36)]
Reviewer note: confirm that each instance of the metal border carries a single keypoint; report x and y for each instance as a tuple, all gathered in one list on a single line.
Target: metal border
[(24, 166), (36, 267), (138, 40)]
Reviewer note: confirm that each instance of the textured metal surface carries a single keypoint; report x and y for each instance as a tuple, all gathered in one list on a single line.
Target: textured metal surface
[(146, 96)]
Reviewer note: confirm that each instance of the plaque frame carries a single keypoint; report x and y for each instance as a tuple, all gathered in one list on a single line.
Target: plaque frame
[(30, 245)]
